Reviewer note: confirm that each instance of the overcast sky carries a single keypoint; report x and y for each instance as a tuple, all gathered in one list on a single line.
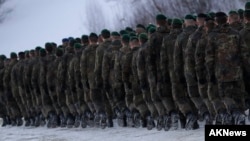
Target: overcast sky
[(35, 22)]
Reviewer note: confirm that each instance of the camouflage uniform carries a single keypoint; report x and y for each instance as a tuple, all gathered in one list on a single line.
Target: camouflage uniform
[(154, 70), (201, 72), (245, 53), (18, 91), (11, 104), (75, 82), (63, 89), (108, 71), (236, 26), (28, 85), (119, 90), (223, 64), (179, 85), (142, 76), (93, 96), (189, 70), (3, 112), (167, 69), (98, 72)]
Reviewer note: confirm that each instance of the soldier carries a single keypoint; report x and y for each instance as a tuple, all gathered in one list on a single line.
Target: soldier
[(93, 96), (167, 69), (98, 70), (11, 104), (18, 86), (245, 52), (247, 5), (223, 64), (140, 111), (179, 82), (48, 109), (200, 67), (27, 87), (141, 64), (3, 110), (107, 74), (64, 93), (140, 29), (189, 70), (65, 43), (234, 20), (121, 103), (115, 36), (84, 41), (39, 118), (153, 67), (77, 89)]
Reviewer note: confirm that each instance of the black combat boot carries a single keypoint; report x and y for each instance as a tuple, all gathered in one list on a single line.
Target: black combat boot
[(137, 119), (6, 121), (63, 120), (239, 118), (159, 123), (175, 117), (90, 118), (130, 119), (42, 120), (150, 122), (166, 122), (70, 121), (32, 121), (110, 122), (19, 121), (13, 122), (191, 122), (182, 120), (103, 120), (208, 118), (52, 120), (77, 120), (27, 122), (121, 118)]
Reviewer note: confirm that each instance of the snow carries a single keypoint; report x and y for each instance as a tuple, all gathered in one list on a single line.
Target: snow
[(115, 133), (96, 134)]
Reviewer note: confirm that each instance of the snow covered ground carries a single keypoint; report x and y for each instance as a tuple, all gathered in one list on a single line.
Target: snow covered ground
[(116, 133), (96, 134)]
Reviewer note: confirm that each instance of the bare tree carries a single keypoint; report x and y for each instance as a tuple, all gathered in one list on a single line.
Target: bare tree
[(3, 11)]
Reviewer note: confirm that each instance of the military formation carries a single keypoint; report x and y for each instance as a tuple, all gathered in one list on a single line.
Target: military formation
[(154, 76)]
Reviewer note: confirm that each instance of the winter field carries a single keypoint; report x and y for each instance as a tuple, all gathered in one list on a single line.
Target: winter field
[(116, 133)]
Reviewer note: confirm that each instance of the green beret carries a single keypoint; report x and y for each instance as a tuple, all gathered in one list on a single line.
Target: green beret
[(21, 53), (105, 31), (125, 37), (140, 26), (247, 5), (202, 15), (3, 57), (240, 11), (59, 52), (211, 14), (161, 17), (176, 22), (247, 12), (170, 21), (91, 35), (152, 30), (132, 34), (13, 55), (129, 29), (220, 14), (133, 38), (38, 48), (48, 45), (122, 32), (114, 33), (77, 46), (232, 12), (143, 36), (149, 26), (85, 37), (189, 17), (42, 52)]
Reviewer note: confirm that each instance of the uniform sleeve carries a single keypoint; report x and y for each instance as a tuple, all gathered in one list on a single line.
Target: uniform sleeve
[(83, 67), (98, 66), (105, 67), (126, 68), (178, 59), (210, 58)]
